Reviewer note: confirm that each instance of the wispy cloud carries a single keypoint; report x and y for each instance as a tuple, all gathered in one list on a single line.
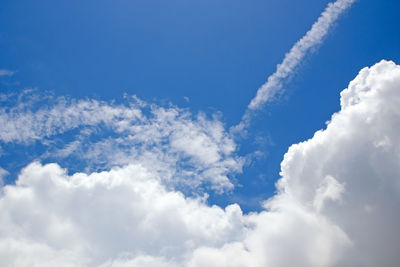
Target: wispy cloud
[(292, 59), (4, 72), (187, 150)]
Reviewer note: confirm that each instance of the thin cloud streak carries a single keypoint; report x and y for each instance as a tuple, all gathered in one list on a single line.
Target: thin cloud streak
[(313, 37), (4, 72)]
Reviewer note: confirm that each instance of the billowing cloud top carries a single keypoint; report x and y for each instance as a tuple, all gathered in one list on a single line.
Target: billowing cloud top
[(337, 201)]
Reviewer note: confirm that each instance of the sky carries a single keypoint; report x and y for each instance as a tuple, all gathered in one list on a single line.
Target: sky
[(199, 133)]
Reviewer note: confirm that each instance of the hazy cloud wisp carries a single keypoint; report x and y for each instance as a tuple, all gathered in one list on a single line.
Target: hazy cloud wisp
[(293, 58), (4, 72)]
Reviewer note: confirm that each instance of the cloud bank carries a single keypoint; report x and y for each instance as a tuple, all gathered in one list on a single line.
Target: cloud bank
[(336, 205)]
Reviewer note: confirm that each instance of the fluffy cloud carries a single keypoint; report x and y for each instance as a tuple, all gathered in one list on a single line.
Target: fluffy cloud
[(360, 152), (338, 197), (336, 205), (86, 220)]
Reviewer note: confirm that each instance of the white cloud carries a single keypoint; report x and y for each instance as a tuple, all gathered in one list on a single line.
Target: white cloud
[(103, 217), (337, 203), (339, 193), (329, 189), (20, 124), (180, 148), (293, 58)]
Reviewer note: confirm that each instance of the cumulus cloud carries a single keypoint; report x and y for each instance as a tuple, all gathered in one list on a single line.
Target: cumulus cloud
[(339, 193), (105, 218), (336, 205)]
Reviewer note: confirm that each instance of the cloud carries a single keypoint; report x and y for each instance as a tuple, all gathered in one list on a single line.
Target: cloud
[(293, 58), (21, 123), (89, 220), (336, 205), (339, 193), (4, 72), (183, 149)]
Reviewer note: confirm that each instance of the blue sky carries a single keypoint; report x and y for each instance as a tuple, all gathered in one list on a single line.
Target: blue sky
[(187, 58)]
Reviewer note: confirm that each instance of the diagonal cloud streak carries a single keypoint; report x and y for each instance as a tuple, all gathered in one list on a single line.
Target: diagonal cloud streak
[(293, 58)]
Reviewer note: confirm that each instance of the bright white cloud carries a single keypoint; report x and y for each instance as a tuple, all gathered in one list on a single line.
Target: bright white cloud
[(339, 192), (337, 202), (88, 220)]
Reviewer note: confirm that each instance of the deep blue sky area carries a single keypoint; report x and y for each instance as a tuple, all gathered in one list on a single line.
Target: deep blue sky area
[(214, 52)]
